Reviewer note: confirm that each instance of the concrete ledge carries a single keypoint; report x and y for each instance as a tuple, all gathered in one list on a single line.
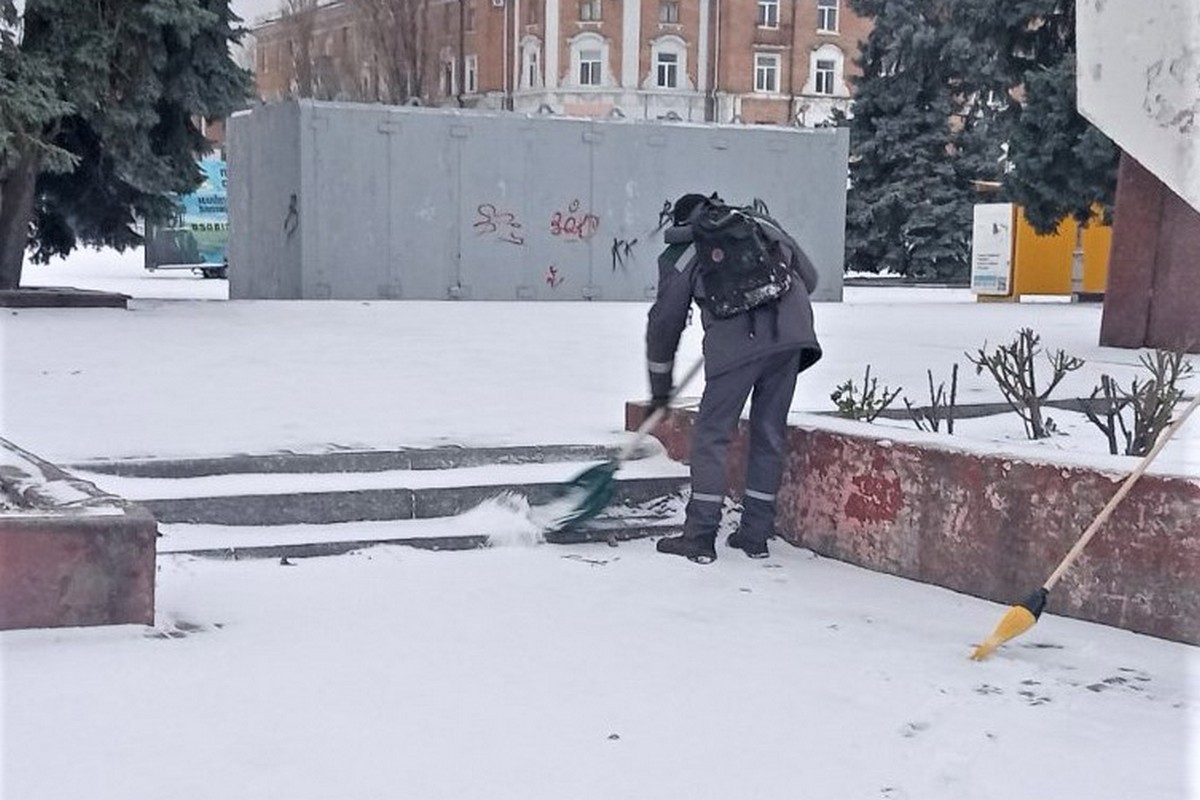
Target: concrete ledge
[(610, 530), (321, 508), (989, 526), (449, 457), (70, 554), (61, 297)]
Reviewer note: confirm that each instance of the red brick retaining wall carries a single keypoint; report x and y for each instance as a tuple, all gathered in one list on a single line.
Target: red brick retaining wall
[(67, 570), (989, 526), (70, 554)]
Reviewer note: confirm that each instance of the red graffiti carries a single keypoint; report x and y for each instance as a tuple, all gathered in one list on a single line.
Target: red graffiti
[(878, 499), (573, 225), (504, 224)]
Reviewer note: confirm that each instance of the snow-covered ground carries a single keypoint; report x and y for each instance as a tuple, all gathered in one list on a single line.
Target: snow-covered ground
[(173, 378), (542, 671)]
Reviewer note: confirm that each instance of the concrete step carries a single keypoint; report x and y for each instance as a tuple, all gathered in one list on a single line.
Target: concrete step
[(348, 460), (322, 508), (350, 486), (296, 505), (610, 530)]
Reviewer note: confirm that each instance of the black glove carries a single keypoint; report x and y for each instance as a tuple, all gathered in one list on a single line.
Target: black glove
[(660, 401)]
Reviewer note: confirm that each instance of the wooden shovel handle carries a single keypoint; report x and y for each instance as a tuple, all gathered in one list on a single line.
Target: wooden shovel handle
[(1106, 512), (651, 421)]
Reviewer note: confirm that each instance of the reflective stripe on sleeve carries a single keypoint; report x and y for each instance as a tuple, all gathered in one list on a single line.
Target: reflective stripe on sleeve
[(766, 498), (708, 498), (685, 258), (660, 367)]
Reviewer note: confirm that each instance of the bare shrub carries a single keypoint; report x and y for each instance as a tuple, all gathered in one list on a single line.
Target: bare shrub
[(941, 407), (862, 403), (1150, 403), (1013, 368)]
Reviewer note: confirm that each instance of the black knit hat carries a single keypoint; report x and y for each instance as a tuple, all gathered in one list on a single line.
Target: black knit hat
[(685, 205)]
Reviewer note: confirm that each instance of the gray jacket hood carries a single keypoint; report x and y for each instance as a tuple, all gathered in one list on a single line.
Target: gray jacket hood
[(678, 234)]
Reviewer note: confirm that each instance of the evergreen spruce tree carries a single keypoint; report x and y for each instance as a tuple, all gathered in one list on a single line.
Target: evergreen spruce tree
[(108, 127), (29, 105), (915, 142), (1061, 165)]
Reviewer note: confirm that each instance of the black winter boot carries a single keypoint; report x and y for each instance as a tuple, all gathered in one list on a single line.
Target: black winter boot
[(757, 525), (751, 547), (700, 549), (699, 540)]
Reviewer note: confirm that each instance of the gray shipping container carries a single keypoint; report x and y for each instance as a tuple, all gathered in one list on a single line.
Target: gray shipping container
[(363, 202)]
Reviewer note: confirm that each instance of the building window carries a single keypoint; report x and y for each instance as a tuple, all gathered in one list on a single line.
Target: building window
[(531, 73), (768, 13), (448, 85), (589, 67), (826, 67), (667, 71), (531, 13), (825, 76), (589, 10), (827, 16), (589, 59), (471, 65), (668, 11), (766, 72), (668, 68), (470, 16)]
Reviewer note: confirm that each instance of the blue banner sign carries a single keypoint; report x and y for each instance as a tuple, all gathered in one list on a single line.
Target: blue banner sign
[(196, 237)]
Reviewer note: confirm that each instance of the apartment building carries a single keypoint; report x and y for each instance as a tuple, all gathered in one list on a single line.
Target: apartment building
[(749, 61)]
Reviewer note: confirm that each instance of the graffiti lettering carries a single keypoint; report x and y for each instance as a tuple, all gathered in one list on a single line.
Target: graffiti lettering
[(621, 250), (553, 279), (574, 225), (504, 225), (665, 216)]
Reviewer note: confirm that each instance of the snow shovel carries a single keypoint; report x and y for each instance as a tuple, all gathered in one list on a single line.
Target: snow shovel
[(591, 491), (1024, 614)]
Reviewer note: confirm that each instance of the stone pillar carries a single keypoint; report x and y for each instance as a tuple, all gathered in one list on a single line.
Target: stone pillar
[(1154, 269), (553, 37)]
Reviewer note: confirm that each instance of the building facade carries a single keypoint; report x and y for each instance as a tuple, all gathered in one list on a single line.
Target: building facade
[(749, 61)]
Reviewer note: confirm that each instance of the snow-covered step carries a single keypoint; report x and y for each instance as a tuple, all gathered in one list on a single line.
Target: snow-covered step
[(297, 505), (490, 525), (351, 460)]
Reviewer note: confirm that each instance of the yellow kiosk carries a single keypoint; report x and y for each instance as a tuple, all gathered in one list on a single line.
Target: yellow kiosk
[(1009, 259)]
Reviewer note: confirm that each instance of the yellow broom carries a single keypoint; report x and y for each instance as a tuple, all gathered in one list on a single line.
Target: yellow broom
[(1024, 614)]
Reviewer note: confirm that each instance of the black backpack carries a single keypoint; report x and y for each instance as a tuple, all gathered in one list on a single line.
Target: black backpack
[(741, 266)]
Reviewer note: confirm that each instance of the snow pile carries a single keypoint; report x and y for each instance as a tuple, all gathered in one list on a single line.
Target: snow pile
[(507, 520), (31, 487)]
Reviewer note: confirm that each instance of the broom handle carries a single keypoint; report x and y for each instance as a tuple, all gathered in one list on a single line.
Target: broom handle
[(651, 422), (1106, 512)]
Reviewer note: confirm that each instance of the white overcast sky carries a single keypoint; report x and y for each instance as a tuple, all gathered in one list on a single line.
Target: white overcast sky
[(248, 10)]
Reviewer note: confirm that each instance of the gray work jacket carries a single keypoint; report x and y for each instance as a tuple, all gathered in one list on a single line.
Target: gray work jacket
[(727, 342)]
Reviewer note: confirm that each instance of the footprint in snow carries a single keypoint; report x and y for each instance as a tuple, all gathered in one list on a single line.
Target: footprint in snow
[(1131, 683), (178, 629), (1033, 698)]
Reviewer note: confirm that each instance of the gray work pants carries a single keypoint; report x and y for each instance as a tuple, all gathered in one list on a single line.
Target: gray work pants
[(769, 382)]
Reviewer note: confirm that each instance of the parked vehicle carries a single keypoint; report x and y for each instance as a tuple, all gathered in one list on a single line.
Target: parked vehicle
[(196, 237)]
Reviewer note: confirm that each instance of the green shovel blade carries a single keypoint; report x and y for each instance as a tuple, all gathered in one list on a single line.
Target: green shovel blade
[(584, 496)]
